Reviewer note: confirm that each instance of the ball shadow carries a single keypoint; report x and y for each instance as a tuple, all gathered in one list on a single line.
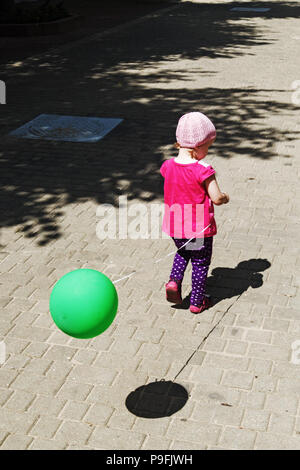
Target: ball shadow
[(157, 399)]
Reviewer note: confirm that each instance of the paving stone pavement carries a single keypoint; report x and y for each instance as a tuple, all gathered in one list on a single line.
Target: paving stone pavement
[(235, 360)]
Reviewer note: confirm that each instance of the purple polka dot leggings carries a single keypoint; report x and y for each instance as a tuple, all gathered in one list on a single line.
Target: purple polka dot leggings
[(199, 251)]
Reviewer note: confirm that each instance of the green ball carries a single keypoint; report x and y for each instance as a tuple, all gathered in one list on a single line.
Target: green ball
[(83, 303)]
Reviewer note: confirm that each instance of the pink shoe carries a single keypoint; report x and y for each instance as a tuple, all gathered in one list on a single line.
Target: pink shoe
[(205, 305), (173, 292)]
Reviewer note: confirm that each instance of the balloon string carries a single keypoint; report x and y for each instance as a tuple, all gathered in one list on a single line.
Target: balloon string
[(158, 260)]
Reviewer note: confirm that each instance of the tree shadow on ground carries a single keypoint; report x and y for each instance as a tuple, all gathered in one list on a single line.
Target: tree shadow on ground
[(225, 283), (148, 76)]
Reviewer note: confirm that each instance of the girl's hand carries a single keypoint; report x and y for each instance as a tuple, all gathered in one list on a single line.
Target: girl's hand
[(214, 192), (226, 198)]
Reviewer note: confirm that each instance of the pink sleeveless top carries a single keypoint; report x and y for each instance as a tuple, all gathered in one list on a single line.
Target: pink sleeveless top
[(188, 207)]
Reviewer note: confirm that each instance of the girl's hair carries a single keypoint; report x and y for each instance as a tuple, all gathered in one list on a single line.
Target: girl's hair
[(192, 152)]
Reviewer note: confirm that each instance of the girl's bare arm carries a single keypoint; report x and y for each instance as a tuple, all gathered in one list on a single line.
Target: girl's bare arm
[(214, 191)]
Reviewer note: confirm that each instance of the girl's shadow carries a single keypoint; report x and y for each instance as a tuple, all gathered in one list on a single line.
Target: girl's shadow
[(224, 283)]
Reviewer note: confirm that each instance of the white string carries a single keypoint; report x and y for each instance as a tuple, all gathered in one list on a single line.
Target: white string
[(160, 259)]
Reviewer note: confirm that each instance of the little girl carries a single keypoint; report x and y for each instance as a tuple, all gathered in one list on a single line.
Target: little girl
[(190, 190)]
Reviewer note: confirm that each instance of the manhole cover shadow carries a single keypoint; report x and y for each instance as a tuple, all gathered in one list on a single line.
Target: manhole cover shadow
[(157, 399)]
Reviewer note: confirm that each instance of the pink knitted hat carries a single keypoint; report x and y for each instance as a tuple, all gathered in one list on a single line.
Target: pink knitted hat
[(194, 129)]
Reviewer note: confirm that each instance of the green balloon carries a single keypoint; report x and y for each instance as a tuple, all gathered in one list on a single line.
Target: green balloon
[(83, 303)]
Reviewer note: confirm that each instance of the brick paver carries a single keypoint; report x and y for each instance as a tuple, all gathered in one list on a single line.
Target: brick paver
[(235, 360)]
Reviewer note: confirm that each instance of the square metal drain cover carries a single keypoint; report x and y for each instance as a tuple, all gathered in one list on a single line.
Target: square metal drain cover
[(249, 9), (66, 128)]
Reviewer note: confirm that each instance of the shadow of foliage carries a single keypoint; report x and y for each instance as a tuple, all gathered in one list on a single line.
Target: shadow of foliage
[(146, 75)]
